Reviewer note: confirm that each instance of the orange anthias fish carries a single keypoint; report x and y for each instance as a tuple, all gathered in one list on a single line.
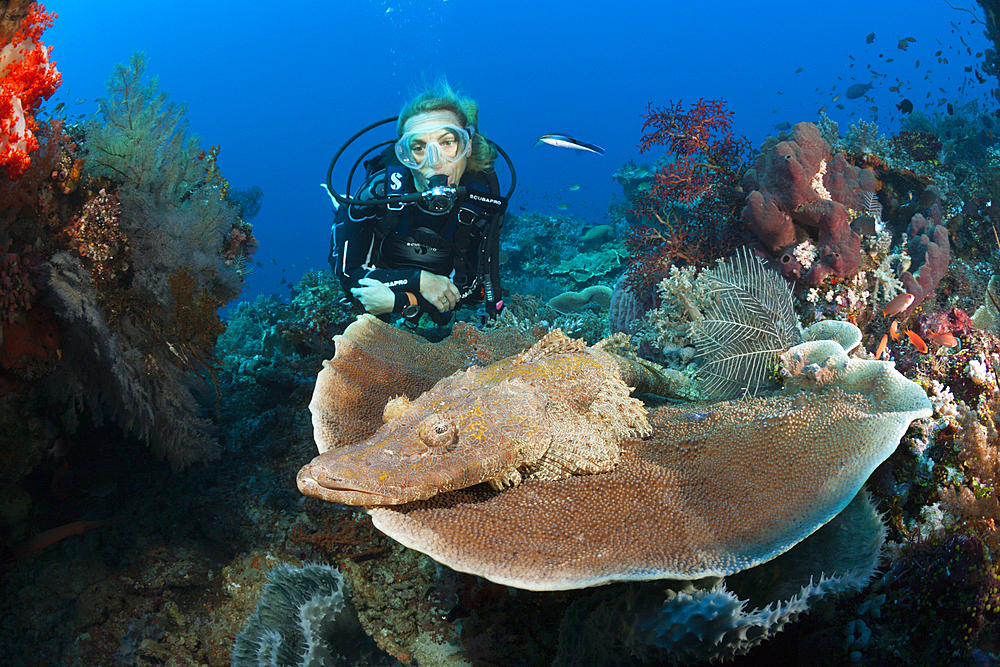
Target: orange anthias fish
[(881, 346), (53, 535), (894, 329), (946, 339), (917, 342), (899, 304)]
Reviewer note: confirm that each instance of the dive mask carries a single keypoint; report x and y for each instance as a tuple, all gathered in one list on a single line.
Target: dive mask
[(429, 146)]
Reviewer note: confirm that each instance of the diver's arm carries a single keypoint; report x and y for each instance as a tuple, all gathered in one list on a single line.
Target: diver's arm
[(353, 259)]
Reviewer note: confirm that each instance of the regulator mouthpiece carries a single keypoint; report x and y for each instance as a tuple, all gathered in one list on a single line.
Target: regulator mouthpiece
[(439, 196)]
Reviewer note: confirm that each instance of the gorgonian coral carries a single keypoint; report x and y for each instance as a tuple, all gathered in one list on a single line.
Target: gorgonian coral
[(707, 153), (140, 139), (694, 198)]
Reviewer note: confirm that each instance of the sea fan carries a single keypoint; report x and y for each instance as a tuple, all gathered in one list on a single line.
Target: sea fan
[(750, 323)]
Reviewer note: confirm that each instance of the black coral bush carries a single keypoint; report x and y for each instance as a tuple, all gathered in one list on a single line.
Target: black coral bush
[(139, 342), (140, 139)]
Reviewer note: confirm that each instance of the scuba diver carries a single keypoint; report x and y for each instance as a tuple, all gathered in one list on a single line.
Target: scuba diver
[(421, 235)]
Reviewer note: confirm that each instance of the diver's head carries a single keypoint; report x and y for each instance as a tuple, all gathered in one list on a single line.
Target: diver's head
[(441, 105), (435, 143)]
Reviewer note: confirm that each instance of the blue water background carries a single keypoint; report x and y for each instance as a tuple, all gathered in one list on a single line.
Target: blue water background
[(281, 88)]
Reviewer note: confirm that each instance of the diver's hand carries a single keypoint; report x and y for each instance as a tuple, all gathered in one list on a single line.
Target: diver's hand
[(439, 290), (374, 296)]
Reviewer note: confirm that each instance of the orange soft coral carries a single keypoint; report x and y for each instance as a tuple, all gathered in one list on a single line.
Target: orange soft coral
[(26, 78)]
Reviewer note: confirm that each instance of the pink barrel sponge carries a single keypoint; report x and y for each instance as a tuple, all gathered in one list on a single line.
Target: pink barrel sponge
[(800, 191)]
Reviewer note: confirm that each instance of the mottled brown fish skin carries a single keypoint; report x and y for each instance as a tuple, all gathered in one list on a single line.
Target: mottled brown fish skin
[(456, 435), (493, 424)]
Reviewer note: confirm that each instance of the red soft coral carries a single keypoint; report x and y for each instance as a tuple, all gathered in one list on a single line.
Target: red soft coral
[(26, 78)]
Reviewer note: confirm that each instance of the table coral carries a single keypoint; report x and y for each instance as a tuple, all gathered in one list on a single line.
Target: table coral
[(800, 190), (597, 263), (786, 464), (687, 622), (574, 302)]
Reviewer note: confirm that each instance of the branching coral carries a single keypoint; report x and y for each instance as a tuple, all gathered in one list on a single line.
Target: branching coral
[(141, 139), (864, 138), (694, 198), (26, 79), (683, 295)]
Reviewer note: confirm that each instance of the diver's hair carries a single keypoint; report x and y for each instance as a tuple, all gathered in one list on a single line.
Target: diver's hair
[(441, 96)]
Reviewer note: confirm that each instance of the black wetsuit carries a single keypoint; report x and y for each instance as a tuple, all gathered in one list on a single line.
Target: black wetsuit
[(421, 240)]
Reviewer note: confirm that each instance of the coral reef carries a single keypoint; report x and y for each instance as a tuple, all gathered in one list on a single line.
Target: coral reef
[(28, 348), (635, 178), (921, 146), (107, 338), (533, 243)]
